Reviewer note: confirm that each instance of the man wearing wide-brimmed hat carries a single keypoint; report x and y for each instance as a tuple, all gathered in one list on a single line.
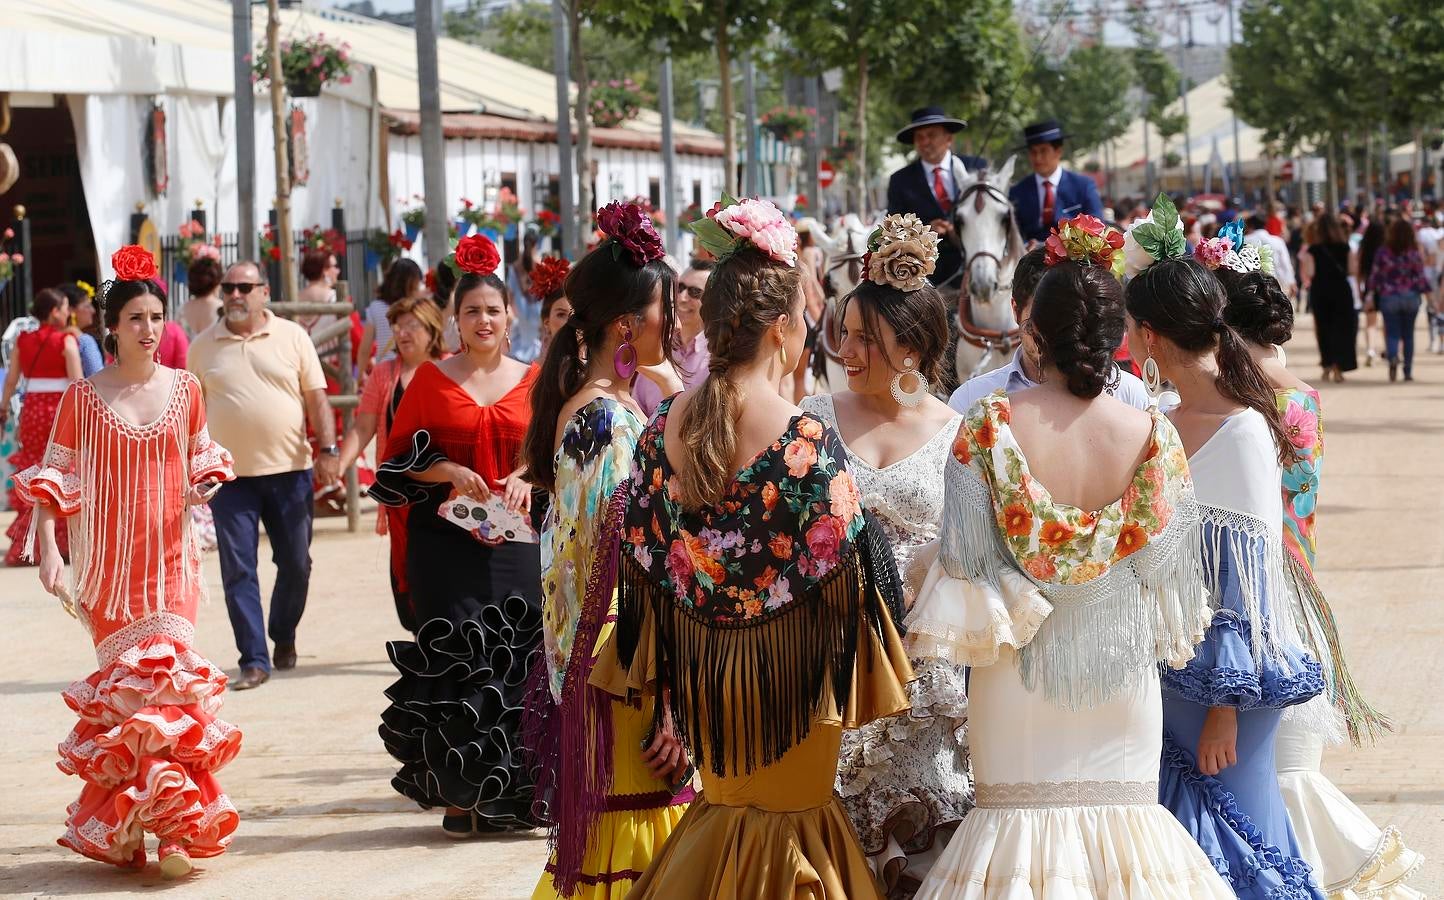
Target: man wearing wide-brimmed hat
[(1052, 193), (928, 186)]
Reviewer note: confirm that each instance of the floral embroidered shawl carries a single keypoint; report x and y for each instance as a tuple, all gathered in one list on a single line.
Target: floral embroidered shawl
[(756, 602), (1111, 590)]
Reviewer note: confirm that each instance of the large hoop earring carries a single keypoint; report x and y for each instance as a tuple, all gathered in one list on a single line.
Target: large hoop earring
[(1152, 377), (625, 360), (915, 396)]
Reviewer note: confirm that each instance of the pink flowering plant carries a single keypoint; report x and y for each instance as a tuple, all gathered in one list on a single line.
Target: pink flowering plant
[(631, 231), (306, 64), (733, 225), (1213, 253), (615, 102), (194, 245)]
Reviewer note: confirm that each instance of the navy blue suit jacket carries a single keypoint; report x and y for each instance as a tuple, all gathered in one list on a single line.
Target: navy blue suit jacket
[(909, 191), (1076, 194)]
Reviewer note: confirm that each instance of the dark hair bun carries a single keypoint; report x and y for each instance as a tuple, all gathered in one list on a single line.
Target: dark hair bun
[(1257, 307), (1077, 321)]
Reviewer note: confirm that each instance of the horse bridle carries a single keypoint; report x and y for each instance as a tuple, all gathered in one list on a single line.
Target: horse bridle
[(989, 340)]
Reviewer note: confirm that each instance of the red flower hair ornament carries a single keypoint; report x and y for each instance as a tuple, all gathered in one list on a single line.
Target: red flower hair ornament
[(476, 255), (548, 276), (631, 230), (133, 263)]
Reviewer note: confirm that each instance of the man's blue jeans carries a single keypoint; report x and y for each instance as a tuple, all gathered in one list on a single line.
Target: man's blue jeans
[(283, 503)]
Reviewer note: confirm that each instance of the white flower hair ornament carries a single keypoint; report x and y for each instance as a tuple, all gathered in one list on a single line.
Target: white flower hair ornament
[(1154, 238), (901, 252), (1229, 251)]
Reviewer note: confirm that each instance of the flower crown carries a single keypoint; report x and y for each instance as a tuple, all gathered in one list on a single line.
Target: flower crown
[(1154, 238), (548, 275), (732, 225), (133, 263), (1229, 251), (901, 252), (630, 229), (1087, 240)]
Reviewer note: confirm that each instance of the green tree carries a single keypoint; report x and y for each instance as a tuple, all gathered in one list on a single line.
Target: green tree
[(726, 27), (1081, 91)]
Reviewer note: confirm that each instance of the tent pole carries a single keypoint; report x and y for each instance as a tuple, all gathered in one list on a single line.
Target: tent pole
[(669, 155), (433, 148), (561, 55), (244, 107)]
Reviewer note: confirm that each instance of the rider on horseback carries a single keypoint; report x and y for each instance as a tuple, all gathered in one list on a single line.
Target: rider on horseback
[(1052, 193), (928, 186)]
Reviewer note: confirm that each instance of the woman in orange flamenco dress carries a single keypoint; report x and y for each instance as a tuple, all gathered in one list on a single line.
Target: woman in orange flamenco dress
[(148, 742)]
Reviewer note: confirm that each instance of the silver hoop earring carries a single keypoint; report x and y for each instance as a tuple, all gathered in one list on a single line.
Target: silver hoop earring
[(1152, 378), (915, 396)]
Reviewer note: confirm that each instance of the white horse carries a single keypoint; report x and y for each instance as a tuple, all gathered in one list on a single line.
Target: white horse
[(991, 247), (844, 250)]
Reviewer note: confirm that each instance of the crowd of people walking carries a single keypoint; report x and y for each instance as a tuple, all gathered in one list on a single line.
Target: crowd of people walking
[(1059, 634)]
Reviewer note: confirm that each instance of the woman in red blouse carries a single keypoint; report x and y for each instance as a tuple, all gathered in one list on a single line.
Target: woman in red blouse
[(455, 716), (49, 359)]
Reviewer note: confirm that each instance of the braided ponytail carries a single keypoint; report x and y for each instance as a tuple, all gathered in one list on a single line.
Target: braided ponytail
[(746, 294)]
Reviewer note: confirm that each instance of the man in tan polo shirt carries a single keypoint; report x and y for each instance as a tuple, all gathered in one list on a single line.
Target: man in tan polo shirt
[(262, 381)]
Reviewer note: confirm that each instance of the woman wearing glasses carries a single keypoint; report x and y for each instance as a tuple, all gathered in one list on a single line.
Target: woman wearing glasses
[(690, 352)]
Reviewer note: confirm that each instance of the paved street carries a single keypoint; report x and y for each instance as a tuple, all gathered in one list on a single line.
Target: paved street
[(319, 819)]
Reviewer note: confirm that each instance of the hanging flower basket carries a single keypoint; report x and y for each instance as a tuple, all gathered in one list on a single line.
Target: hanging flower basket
[(789, 123), (615, 102), (306, 64)]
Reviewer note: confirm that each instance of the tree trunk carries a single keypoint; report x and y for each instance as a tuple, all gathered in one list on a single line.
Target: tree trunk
[(586, 203), (863, 181), (284, 238), (1416, 174), (1333, 175), (729, 111)]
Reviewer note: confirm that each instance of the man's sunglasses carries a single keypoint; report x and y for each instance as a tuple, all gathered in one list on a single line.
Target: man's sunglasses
[(693, 293), (238, 287)]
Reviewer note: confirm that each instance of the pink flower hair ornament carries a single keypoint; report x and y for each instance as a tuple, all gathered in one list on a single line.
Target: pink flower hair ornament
[(733, 225)]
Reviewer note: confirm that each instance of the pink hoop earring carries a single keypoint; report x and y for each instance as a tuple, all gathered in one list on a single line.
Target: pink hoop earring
[(625, 360)]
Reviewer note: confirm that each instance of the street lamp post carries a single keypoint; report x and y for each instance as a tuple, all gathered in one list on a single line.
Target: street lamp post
[(561, 53), (433, 160), (245, 111)]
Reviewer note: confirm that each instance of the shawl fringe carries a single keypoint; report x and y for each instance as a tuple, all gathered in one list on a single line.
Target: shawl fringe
[(1322, 634), (1253, 551), (571, 741), (1101, 636), (744, 694)]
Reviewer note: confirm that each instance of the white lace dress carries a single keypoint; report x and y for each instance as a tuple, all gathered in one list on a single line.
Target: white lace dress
[(905, 778)]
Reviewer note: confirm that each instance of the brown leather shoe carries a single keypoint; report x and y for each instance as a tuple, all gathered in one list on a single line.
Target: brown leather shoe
[(284, 656), (251, 677)]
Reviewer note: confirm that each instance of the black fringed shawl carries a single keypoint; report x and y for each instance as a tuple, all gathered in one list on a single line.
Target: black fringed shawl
[(756, 604)]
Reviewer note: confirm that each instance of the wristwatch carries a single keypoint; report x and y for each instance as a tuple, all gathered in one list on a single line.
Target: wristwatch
[(331, 450)]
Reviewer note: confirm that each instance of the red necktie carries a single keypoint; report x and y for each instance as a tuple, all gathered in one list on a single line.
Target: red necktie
[(940, 190), (1048, 203)]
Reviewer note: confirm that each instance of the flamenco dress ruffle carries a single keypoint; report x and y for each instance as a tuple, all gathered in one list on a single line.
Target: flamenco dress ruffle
[(1066, 799), (638, 817), (147, 746), (904, 780), (1250, 842), (1355, 859), (455, 716)]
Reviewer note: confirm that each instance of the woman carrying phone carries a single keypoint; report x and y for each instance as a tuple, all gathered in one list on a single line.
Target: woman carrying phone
[(454, 721), (128, 454)]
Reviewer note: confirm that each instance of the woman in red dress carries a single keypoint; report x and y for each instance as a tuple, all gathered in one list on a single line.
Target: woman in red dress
[(49, 358), (454, 722), (148, 740)]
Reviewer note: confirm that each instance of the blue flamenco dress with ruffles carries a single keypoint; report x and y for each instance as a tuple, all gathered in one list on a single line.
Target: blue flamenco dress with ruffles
[(1251, 660)]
